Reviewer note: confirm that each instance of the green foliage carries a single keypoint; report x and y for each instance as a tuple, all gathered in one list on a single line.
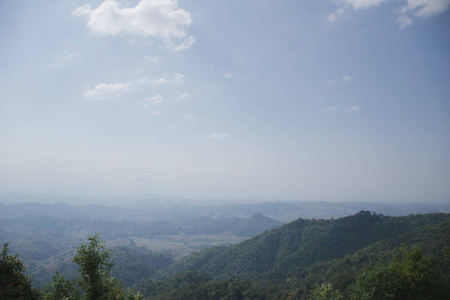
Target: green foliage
[(199, 285), (164, 286), (13, 283), (325, 292), (306, 252), (410, 275), (60, 288), (94, 262), (133, 266), (306, 259)]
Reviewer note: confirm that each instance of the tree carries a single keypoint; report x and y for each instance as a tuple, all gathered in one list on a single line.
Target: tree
[(14, 284), (60, 288), (95, 262), (410, 275)]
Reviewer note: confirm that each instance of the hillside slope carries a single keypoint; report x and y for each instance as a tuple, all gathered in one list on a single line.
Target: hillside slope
[(282, 255)]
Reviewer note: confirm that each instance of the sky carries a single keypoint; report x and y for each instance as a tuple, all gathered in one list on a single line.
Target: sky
[(315, 100)]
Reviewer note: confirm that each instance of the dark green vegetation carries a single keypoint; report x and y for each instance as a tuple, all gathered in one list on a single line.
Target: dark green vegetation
[(14, 284), (332, 248), (409, 275), (321, 257), (94, 283), (364, 256), (131, 265), (200, 285), (134, 266)]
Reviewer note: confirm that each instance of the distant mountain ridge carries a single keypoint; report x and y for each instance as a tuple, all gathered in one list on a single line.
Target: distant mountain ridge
[(179, 211), (80, 227)]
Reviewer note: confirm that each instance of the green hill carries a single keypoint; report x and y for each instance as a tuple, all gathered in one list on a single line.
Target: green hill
[(364, 256), (304, 250)]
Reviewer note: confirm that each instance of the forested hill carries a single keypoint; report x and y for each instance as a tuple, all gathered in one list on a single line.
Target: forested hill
[(332, 248), (364, 256)]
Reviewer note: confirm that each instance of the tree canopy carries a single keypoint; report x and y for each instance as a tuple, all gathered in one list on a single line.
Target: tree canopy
[(95, 262), (14, 284)]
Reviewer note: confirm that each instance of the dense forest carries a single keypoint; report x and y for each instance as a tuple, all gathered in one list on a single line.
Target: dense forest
[(364, 256)]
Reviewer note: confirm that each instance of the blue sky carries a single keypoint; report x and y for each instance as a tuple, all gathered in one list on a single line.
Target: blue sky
[(345, 100)]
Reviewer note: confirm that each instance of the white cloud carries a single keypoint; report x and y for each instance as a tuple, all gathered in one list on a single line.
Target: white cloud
[(149, 18), (178, 77), (151, 59), (156, 112), (182, 96), (420, 9), (186, 44), (109, 90), (104, 90), (156, 99), (160, 80), (330, 108), (219, 135), (407, 11), (337, 14), (359, 4), (427, 8), (354, 108), (145, 106), (404, 20)]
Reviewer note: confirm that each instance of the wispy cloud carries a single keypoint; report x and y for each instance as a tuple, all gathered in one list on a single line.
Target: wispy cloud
[(182, 96), (160, 80), (186, 44), (330, 108), (178, 77), (156, 112), (337, 14), (149, 19), (219, 135), (152, 59), (104, 90), (427, 8), (156, 99), (359, 4), (403, 20), (420, 9), (354, 108), (407, 11)]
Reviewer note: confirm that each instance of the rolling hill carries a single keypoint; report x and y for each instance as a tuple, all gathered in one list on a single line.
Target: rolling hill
[(286, 255)]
